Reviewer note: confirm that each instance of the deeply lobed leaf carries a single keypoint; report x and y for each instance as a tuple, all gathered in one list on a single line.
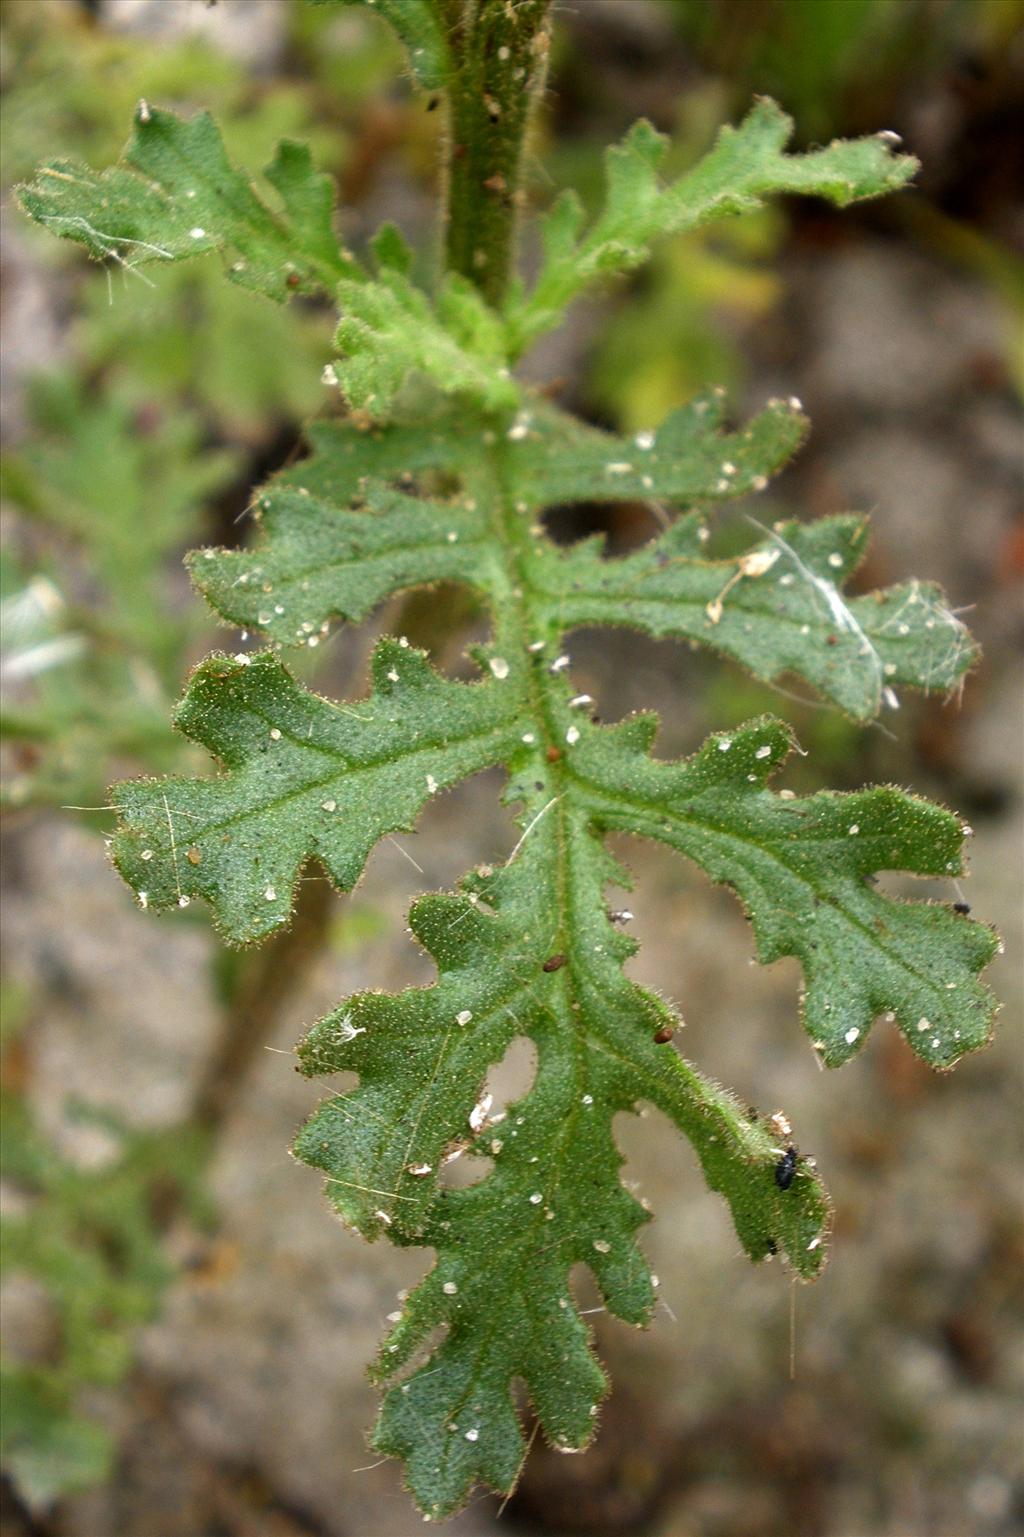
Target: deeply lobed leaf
[(389, 330), (746, 165), (505, 1246), (689, 458), (777, 609), (529, 949), (804, 869), (305, 778), (177, 195)]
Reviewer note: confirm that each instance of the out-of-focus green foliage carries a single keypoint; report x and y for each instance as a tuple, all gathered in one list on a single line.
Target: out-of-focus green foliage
[(85, 1242), (93, 637), (675, 336), (173, 381), (89, 1241), (246, 365), (71, 85), (123, 478)]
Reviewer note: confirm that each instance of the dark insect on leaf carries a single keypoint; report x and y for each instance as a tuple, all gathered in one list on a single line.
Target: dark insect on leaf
[(786, 1168)]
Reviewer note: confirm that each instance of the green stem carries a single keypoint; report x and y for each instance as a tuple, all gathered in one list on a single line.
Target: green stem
[(499, 56)]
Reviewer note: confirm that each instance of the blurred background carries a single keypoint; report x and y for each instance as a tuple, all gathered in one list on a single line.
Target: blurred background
[(185, 1326)]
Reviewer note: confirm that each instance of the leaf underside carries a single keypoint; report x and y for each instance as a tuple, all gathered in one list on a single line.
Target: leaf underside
[(529, 949)]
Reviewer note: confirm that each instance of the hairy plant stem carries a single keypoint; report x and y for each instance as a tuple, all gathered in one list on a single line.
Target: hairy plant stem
[(499, 57)]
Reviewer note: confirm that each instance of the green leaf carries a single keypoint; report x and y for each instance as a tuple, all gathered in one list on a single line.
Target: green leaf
[(336, 538), (418, 25), (804, 869), (747, 165), (505, 1247), (304, 778), (389, 329), (335, 543), (391, 249), (530, 950), (178, 195), (776, 609), (688, 459)]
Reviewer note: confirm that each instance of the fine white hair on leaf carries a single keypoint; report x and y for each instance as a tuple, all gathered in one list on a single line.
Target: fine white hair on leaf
[(842, 617)]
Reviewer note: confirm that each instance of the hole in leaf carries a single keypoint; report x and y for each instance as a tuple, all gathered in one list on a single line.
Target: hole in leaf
[(433, 1341), (625, 525), (585, 1294), (507, 1083), (445, 620), (662, 1168), (908, 888)]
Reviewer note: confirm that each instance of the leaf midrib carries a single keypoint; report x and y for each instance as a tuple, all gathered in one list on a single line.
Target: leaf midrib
[(266, 807)]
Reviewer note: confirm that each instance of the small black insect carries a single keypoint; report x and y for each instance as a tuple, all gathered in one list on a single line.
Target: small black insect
[(786, 1168), (963, 908)]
